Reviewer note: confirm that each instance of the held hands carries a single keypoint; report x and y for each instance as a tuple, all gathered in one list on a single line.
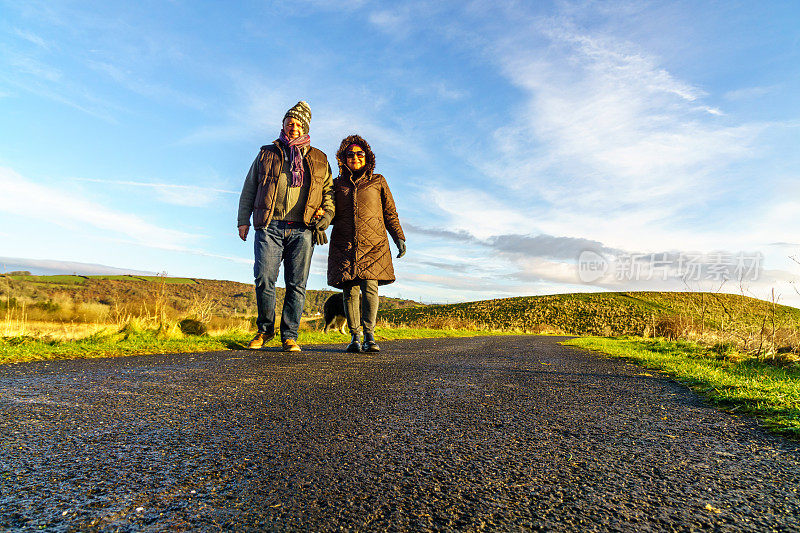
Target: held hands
[(319, 224), (323, 223), (243, 232), (401, 247)]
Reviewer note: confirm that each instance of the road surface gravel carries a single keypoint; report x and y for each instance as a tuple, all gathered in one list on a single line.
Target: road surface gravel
[(494, 433)]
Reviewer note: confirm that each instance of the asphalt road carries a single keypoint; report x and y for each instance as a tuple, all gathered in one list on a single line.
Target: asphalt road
[(495, 433)]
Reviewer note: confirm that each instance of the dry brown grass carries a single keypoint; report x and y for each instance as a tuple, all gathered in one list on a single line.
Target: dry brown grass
[(53, 330)]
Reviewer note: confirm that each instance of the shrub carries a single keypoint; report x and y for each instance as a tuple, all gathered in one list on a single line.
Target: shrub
[(192, 326), (91, 312), (48, 306), (723, 348), (133, 326), (9, 303), (169, 330), (672, 327)]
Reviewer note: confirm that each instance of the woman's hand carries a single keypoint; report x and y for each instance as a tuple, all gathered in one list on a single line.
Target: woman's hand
[(401, 247)]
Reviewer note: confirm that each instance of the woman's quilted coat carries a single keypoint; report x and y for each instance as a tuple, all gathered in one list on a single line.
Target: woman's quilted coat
[(365, 211)]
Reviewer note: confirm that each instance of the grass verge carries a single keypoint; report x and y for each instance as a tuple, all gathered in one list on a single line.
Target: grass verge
[(749, 386), (115, 344)]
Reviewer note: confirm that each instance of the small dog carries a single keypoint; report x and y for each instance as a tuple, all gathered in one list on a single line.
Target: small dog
[(334, 313)]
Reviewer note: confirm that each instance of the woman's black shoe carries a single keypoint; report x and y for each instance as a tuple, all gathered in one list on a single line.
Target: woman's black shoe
[(355, 345), (369, 344)]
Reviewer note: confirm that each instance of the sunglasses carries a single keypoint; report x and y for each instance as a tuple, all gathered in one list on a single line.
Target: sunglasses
[(354, 154)]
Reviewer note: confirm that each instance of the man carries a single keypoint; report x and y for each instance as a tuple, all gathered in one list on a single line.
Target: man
[(288, 192)]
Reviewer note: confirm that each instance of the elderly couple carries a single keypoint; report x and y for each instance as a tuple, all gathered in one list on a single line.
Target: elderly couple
[(292, 197)]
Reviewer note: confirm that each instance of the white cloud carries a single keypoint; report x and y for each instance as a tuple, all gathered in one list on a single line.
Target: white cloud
[(185, 195), (602, 110), (31, 75), (748, 93), (391, 21), (30, 65), (476, 212), (48, 266), (258, 112), (58, 206), (32, 38), (140, 86)]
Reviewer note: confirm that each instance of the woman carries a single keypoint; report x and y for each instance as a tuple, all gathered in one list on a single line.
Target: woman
[(359, 258)]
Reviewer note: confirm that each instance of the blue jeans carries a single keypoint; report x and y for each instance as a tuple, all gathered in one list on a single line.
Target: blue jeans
[(289, 243)]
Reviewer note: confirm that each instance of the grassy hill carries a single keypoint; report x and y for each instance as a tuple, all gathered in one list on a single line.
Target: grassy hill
[(113, 298), (748, 323), (743, 319)]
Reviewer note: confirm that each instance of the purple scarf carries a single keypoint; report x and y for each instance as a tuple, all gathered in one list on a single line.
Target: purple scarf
[(297, 156)]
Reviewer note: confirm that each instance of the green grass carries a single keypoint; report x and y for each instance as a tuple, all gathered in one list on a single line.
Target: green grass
[(152, 279), (59, 279), (139, 342), (749, 386), (174, 281), (120, 277)]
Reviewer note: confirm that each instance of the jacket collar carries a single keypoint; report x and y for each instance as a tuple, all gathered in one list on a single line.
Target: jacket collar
[(349, 176)]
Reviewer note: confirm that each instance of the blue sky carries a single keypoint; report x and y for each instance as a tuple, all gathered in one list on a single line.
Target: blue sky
[(515, 135)]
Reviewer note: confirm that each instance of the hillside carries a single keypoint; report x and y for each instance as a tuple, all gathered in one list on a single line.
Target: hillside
[(747, 322), (610, 313), (74, 297)]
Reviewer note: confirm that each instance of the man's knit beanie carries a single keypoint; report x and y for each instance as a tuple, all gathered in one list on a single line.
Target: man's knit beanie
[(301, 112)]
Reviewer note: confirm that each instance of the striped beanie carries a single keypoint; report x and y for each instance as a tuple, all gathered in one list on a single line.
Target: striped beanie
[(301, 112)]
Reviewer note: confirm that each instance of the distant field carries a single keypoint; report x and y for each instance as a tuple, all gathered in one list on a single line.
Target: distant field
[(61, 279), (155, 279)]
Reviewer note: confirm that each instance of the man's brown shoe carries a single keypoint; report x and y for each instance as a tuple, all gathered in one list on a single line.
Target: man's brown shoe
[(258, 341), (290, 345)]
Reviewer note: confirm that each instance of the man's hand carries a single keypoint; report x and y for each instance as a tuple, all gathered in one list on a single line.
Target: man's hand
[(321, 220), (243, 231), (318, 237), (323, 223)]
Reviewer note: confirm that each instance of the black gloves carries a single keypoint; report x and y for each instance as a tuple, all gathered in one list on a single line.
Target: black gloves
[(401, 247), (319, 227), (323, 222), (319, 237)]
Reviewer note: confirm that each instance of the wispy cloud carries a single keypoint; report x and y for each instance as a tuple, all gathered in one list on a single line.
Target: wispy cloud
[(186, 195), (27, 64), (146, 88), (456, 236), (747, 93), (32, 38), (604, 110), (541, 246), (34, 76), (255, 112), (61, 207), (47, 266), (392, 21), (463, 206), (546, 246)]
